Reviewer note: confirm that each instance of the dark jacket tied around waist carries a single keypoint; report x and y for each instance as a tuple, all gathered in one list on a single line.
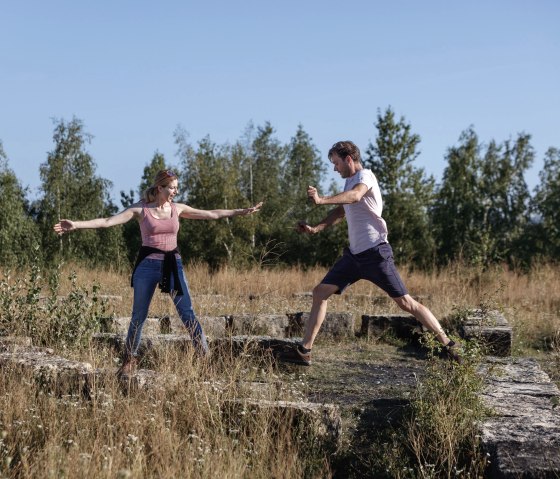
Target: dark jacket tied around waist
[(169, 267)]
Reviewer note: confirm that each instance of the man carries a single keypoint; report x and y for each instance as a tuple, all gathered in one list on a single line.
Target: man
[(369, 255)]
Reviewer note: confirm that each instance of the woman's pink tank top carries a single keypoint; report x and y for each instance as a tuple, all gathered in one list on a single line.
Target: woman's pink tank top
[(160, 234)]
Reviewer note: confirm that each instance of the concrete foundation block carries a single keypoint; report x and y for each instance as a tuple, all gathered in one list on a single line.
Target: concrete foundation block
[(336, 325), (213, 326), (490, 329), (147, 343), (522, 436), (402, 326), (304, 421), (14, 343), (258, 346), (258, 324), (51, 373)]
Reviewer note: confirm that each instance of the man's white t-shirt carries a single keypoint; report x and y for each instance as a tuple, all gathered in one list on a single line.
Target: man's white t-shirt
[(366, 227)]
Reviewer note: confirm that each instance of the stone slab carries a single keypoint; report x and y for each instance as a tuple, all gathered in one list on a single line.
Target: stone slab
[(529, 459), (490, 329), (522, 434), (55, 374), (140, 380), (320, 422), (213, 326), (336, 324), (255, 390), (520, 370), (258, 324), (14, 343), (477, 317), (403, 326), (147, 342), (150, 380), (258, 346), (120, 325)]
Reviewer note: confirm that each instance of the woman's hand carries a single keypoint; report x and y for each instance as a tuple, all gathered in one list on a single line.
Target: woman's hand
[(64, 226), (250, 211)]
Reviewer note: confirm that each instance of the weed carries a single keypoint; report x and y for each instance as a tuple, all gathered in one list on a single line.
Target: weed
[(49, 319), (437, 435)]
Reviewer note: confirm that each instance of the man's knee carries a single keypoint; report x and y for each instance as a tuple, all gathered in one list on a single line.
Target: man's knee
[(406, 303), (324, 291)]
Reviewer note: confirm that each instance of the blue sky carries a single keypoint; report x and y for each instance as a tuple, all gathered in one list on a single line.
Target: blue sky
[(133, 71)]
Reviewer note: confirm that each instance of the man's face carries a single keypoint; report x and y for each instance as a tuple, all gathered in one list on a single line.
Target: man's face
[(341, 165)]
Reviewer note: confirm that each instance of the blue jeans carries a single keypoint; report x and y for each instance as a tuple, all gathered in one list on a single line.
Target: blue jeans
[(146, 278)]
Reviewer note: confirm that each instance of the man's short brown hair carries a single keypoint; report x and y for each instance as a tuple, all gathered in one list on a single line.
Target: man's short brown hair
[(345, 148)]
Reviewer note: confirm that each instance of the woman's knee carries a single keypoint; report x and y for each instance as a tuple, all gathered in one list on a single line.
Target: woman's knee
[(183, 304)]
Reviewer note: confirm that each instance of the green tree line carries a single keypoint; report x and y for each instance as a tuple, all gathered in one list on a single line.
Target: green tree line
[(481, 212)]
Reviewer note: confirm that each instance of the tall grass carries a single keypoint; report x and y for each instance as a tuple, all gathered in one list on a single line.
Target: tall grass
[(530, 301), (184, 430), (177, 431)]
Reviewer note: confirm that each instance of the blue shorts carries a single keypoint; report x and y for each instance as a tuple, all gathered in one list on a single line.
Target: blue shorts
[(375, 264)]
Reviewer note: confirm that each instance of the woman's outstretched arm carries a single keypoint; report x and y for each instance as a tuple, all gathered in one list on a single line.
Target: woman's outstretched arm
[(187, 212), (65, 226)]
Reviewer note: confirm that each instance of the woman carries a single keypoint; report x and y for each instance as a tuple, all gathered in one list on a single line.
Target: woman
[(158, 261)]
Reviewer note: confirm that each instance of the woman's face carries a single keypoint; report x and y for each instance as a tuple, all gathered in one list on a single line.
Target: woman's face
[(169, 191)]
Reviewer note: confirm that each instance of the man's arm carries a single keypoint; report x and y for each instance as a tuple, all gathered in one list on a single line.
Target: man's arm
[(347, 197), (334, 217)]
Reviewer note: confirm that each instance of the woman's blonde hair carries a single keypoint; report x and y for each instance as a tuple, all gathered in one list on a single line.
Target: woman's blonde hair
[(163, 178)]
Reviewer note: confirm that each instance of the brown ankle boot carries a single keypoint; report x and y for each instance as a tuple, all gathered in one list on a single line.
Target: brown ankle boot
[(129, 365), (453, 351)]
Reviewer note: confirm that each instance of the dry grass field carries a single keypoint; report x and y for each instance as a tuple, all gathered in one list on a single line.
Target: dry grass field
[(180, 431), (529, 301)]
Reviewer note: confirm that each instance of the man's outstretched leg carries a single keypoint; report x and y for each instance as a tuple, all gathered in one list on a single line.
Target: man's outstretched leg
[(426, 317), (302, 353)]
